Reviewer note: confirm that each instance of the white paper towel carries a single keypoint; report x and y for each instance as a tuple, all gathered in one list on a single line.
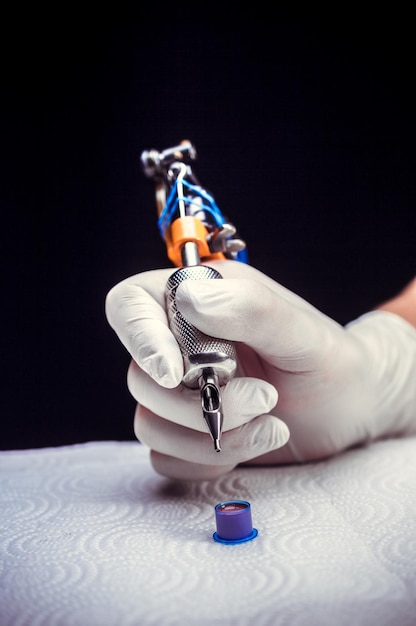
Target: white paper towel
[(92, 536)]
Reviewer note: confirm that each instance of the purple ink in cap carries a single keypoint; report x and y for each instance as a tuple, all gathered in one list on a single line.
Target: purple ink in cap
[(234, 525)]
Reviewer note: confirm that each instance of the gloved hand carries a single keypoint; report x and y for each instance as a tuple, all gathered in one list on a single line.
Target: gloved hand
[(299, 372)]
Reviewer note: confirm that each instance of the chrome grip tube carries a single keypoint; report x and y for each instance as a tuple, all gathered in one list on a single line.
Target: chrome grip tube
[(200, 352)]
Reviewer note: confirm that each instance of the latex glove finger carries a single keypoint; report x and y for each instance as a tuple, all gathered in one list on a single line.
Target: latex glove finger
[(242, 399), (253, 439), (178, 469), (135, 310)]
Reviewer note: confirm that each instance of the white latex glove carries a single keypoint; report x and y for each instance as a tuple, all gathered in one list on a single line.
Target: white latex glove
[(336, 387)]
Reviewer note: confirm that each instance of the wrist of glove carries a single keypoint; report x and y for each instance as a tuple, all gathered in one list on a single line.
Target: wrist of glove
[(388, 346)]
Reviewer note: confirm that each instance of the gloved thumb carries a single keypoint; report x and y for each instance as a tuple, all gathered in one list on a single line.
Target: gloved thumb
[(277, 326)]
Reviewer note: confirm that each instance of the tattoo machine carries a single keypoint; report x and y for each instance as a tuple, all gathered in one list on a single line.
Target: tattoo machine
[(195, 231)]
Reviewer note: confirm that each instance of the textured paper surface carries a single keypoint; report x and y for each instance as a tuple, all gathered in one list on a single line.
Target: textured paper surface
[(92, 536)]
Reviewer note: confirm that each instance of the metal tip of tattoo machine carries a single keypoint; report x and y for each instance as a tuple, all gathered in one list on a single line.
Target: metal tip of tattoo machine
[(212, 405)]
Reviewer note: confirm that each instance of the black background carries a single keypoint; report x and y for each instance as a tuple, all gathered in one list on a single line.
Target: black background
[(305, 135)]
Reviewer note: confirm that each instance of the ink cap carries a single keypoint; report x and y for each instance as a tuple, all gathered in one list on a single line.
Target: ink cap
[(233, 522)]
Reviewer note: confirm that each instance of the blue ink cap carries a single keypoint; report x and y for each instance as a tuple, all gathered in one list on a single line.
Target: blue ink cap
[(233, 519)]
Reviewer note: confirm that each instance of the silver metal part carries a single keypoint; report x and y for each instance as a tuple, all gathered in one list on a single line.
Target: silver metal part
[(190, 254), (221, 240), (209, 362), (212, 405), (199, 351), (155, 163)]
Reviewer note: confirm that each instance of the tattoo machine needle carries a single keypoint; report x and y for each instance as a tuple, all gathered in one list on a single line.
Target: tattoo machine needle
[(195, 231)]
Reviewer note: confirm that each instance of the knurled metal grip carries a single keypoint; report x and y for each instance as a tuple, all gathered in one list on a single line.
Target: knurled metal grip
[(199, 351)]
